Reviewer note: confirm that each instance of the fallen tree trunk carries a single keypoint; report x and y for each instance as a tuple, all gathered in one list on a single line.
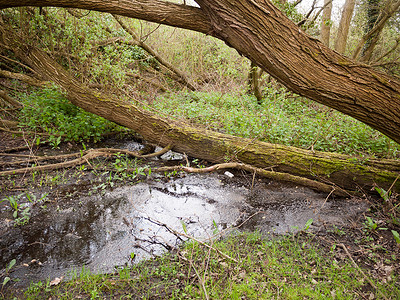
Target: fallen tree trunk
[(340, 170), (261, 32)]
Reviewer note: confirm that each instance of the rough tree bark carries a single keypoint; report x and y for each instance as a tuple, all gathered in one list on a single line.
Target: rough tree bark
[(261, 32)]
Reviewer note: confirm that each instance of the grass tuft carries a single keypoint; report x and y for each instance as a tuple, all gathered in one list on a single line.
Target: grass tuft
[(289, 267)]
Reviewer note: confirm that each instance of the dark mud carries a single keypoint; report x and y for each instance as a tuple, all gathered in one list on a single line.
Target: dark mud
[(123, 225)]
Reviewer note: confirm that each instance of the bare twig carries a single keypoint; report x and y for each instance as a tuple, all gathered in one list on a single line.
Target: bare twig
[(391, 186), (19, 63), (200, 280), (83, 157), (11, 101), (192, 238), (375, 63), (361, 271)]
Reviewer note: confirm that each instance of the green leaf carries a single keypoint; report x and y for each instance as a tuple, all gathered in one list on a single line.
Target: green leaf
[(308, 224), (184, 226), (11, 264), (7, 279), (396, 236), (382, 193)]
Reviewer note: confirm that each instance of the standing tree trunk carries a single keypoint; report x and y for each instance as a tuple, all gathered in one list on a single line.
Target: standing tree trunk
[(375, 24), (344, 25), (372, 18), (326, 22)]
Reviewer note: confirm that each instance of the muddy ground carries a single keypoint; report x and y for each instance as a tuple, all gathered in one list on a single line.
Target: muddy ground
[(97, 216)]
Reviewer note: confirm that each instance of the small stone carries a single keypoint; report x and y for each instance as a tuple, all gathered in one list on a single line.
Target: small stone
[(229, 174)]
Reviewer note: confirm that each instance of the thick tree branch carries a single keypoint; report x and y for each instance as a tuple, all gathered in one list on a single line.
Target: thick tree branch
[(162, 12), (23, 77), (260, 31)]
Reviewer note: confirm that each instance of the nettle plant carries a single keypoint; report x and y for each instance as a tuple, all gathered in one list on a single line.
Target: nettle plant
[(48, 111)]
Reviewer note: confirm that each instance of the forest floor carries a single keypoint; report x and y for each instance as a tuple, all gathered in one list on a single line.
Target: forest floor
[(356, 259)]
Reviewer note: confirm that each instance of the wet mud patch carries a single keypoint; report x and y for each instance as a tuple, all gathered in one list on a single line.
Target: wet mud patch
[(282, 209), (127, 224)]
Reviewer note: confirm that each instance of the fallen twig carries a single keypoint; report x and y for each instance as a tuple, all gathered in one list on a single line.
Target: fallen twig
[(67, 164), (83, 157), (90, 154), (361, 271), (191, 237)]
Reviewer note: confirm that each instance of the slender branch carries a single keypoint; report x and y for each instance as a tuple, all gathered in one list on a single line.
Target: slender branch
[(306, 18), (19, 63), (388, 52), (22, 77), (386, 15), (322, 187), (361, 271), (153, 53)]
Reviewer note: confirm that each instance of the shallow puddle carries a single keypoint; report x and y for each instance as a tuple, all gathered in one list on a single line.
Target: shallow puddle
[(128, 224)]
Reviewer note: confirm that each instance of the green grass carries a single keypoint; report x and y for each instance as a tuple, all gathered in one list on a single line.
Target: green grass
[(281, 119), (289, 267)]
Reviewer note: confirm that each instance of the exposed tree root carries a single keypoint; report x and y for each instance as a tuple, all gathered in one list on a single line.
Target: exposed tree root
[(85, 156), (82, 157), (313, 184), (75, 162)]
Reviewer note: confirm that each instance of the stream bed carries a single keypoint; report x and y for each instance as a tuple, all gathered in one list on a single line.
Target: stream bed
[(124, 225)]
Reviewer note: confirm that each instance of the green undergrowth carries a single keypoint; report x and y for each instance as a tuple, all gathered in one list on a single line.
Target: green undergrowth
[(282, 118), (288, 267), (48, 111)]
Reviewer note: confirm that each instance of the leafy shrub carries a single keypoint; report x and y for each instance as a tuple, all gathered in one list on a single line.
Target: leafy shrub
[(48, 110), (281, 119)]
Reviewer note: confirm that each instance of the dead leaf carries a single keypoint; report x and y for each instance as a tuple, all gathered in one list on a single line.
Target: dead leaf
[(56, 281)]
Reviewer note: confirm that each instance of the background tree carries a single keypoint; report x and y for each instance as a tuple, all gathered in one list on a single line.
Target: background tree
[(326, 22), (344, 25)]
